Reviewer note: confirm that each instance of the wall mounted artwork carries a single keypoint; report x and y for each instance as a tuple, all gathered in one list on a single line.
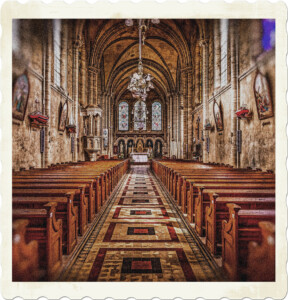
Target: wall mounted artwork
[(63, 117), (262, 97), (20, 97), (218, 116)]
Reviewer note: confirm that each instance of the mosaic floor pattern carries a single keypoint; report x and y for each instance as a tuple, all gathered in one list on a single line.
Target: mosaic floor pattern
[(142, 236)]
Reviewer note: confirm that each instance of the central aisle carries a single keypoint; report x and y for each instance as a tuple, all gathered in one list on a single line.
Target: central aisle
[(142, 236)]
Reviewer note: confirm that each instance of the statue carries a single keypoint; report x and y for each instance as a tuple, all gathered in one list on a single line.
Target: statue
[(121, 148)]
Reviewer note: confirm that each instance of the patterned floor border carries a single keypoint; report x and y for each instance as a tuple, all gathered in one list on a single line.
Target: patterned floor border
[(188, 231), (82, 251), (94, 228)]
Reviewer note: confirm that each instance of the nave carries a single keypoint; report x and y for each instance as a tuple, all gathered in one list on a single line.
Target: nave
[(142, 236)]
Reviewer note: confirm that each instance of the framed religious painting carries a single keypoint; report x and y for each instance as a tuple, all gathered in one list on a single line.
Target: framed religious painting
[(20, 97), (63, 117), (262, 97), (218, 116)]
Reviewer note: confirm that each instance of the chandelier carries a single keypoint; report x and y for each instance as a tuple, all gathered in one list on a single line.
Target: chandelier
[(140, 84)]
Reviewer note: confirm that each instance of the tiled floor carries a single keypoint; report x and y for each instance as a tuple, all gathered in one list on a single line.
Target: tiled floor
[(142, 237)]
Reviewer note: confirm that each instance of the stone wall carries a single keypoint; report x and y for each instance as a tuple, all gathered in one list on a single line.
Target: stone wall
[(258, 136), (31, 47)]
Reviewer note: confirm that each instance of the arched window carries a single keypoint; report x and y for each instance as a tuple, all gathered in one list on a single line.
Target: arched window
[(268, 34), (156, 116), (57, 50), (224, 23), (123, 116), (140, 115)]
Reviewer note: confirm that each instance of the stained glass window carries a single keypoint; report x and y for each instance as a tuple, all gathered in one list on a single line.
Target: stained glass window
[(140, 115), (268, 36), (123, 116), (224, 23), (156, 116), (57, 49)]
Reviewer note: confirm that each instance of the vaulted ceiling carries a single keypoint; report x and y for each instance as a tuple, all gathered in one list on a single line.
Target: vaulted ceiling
[(113, 47)]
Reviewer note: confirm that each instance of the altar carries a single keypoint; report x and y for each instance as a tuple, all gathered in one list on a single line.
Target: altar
[(139, 157)]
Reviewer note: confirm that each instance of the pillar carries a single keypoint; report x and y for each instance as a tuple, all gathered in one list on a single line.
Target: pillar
[(189, 115), (185, 115), (217, 54), (197, 74), (204, 45), (90, 85), (75, 74), (233, 158), (47, 88), (63, 56)]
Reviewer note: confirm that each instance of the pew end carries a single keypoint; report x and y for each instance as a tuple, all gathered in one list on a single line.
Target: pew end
[(261, 257), (25, 261)]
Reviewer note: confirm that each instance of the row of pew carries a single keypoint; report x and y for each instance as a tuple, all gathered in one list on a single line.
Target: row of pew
[(52, 207), (234, 209)]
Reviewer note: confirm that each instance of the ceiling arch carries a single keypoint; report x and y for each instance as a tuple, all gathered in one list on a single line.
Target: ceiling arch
[(112, 47)]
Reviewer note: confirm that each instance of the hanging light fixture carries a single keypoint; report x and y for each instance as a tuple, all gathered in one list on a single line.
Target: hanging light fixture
[(140, 83)]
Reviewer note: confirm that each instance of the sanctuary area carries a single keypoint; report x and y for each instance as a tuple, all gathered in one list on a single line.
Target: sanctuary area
[(143, 150)]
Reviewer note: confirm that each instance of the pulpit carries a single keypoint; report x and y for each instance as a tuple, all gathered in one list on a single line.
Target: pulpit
[(92, 124)]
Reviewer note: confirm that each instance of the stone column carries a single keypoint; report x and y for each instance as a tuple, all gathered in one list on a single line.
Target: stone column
[(189, 117), (63, 56), (233, 158), (111, 132), (95, 87), (197, 74), (184, 106), (75, 74), (83, 78), (204, 45), (90, 85), (47, 88), (175, 119), (180, 115), (217, 54)]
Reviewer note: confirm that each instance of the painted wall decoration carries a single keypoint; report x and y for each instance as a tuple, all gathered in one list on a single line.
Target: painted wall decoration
[(262, 97), (156, 116), (121, 149), (123, 116), (140, 115), (140, 146), (218, 116), (158, 149), (130, 146), (20, 97), (63, 117), (149, 146)]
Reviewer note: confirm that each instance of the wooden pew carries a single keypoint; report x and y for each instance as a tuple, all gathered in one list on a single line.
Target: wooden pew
[(66, 211), (261, 257), (224, 185), (79, 199), (217, 211), (241, 228), (205, 196), (65, 183), (98, 180), (47, 231), (190, 193), (25, 261)]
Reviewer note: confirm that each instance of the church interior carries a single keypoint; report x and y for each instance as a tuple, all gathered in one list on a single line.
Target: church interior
[(143, 150)]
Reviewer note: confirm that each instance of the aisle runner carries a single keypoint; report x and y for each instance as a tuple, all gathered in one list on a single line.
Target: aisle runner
[(142, 238)]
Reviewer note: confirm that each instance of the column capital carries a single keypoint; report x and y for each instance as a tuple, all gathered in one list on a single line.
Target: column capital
[(93, 69), (203, 43), (77, 43), (187, 69)]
